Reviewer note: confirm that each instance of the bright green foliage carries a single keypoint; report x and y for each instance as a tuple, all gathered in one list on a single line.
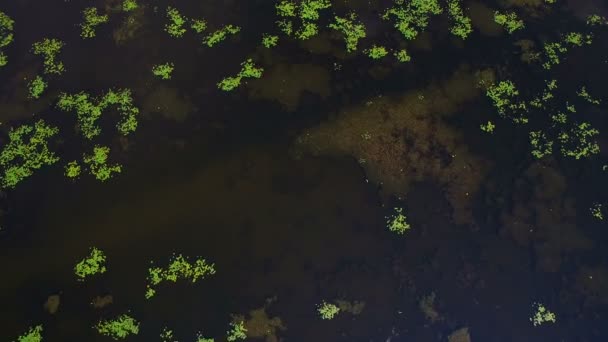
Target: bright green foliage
[(286, 8), (502, 95), (509, 21), (595, 20), (269, 40), (221, 34), (6, 35), (98, 163), (36, 87), (577, 143), (402, 56), (119, 328), (248, 70), (179, 268), (129, 5), (198, 25), (175, 27), (596, 211), (488, 127), (91, 265), (307, 30), (585, 95), (237, 331), (462, 24), (285, 26), (229, 83), (397, 222), (201, 338), (553, 51), (541, 145), (167, 335), (578, 39), (351, 27), (91, 20), (542, 315), (88, 113), (34, 334), (163, 70), (309, 9), (376, 52), (49, 49), (26, 151), (72, 169), (559, 118), (327, 310), (411, 17)]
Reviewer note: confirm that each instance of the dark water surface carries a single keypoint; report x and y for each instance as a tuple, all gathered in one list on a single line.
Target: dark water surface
[(217, 175)]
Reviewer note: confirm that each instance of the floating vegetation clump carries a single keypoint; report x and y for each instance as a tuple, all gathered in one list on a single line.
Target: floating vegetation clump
[(49, 49), (461, 24), (163, 71), (119, 328), (36, 87), (34, 334), (327, 310), (510, 21), (89, 110), (6, 35), (237, 331), (412, 17), (351, 28), (97, 163), (179, 268), (397, 222), (248, 70), (177, 21), (91, 265), (219, 35), (91, 19), (542, 315), (26, 151)]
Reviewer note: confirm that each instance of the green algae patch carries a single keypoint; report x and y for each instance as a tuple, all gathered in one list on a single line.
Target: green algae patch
[(34, 334), (91, 19), (93, 264), (88, 110), (220, 35), (36, 87), (461, 24), (119, 328), (49, 49), (351, 28), (175, 27), (6, 35), (327, 310), (248, 70), (397, 222), (26, 151), (510, 21), (163, 71), (98, 163), (179, 268), (237, 331)]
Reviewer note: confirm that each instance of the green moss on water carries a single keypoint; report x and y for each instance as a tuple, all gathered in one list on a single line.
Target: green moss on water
[(397, 222), (411, 17), (351, 28), (488, 127), (248, 70), (118, 328), (402, 56), (97, 163), (129, 5), (198, 25), (89, 109), (93, 264), (220, 35), (175, 27), (163, 71), (461, 24), (179, 268), (237, 331), (327, 310), (36, 87), (376, 52), (6, 35), (34, 334), (91, 19), (269, 40), (510, 21), (26, 151), (72, 169), (49, 49)]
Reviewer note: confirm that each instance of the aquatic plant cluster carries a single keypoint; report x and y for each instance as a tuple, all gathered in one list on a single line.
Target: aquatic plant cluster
[(179, 268)]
